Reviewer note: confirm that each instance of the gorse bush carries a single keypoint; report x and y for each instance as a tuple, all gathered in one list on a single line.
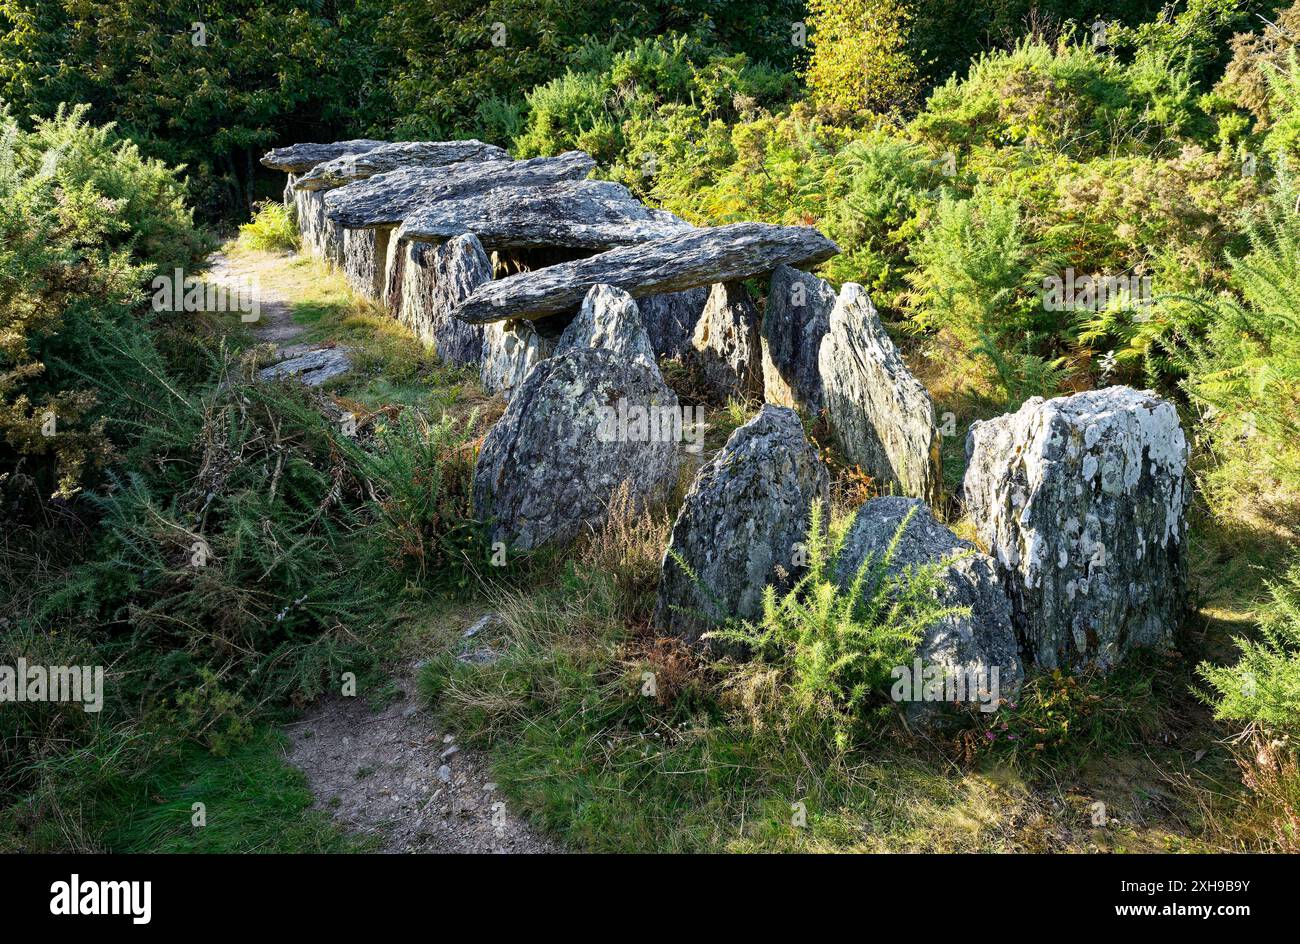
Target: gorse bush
[(1263, 688), (838, 644), (85, 221)]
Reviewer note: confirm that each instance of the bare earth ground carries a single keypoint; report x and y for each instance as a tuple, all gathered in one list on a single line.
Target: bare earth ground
[(388, 776), (394, 776)]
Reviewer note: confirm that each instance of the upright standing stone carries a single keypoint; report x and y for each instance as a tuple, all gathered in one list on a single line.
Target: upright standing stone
[(727, 344), (364, 254), (609, 319), (795, 319), (881, 415), (670, 319), (739, 525), (433, 281), (511, 349), (550, 466), (1082, 502)]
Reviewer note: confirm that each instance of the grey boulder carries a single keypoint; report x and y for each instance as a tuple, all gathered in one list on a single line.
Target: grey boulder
[(795, 319), (1082, 501), (359, 165), (882, 417), (671, 264), (550, 466), (387, 199), (979, 649), (580, 214), (737, 529)]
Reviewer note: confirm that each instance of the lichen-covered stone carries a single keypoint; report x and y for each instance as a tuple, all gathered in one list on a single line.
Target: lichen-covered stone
[(689, 259), (882, 417), (346, 168), (670, 319), (610, 320), (974, 643), (550, 466), (737, 529), (1082, 502), (511, 349), (796, 318), (387, 199), (584, 214), (300, 158), (311, 367), (727, 345), (434, 278)]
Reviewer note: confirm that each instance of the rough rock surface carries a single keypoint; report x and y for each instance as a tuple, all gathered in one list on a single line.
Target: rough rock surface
[(671, 264), (320, 237), (982, 640), (739, 524), (610, 320), (670, 319), (433, 280), (299, 158), (548, 468), (387, 199), (511, 349), (881, 415), (310, 367), (726, 344), (364, 252), (1082, 501), (795, 319), (358, 166), (585, 214)]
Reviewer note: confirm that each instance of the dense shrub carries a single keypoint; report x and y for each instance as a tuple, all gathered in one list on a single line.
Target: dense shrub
[(86, 222)]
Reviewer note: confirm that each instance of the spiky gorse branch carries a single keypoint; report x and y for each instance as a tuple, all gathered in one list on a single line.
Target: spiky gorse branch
[(836, 642)]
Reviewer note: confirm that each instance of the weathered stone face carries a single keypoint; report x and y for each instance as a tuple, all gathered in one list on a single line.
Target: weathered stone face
[(670, 319), (739, 524), (433, 279), (358, 166), (387, 199), (672, 264), (300, 158), (795, 319), (609, 320), (511, 349), (320, 238), (549, 467), (584, 214), (364, 255), (726, 344), (1082, 502), (881, 415), (981, 641)]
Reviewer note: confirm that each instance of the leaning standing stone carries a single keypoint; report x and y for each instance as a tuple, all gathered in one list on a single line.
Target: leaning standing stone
[(795, 319), (551, 464), (1082, 501), (738, 527), (881, 415)]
